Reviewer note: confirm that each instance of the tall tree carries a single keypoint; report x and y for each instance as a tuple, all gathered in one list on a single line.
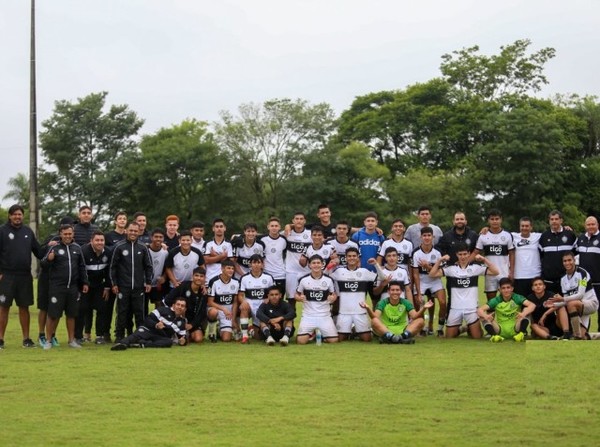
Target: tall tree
[(18, 190), (81, 144)]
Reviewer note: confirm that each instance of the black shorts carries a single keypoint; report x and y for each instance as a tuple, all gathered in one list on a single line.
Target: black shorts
[(63, 299), (17, 287), (42, 291), (281, 284)]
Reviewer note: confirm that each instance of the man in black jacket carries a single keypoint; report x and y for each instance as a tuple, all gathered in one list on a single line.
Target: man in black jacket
[(17, 242), (84, 228), (130, 277), (158, 329), (276, 318)]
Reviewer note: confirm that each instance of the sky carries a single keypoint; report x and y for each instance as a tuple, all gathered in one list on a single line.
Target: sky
[(177, 59)]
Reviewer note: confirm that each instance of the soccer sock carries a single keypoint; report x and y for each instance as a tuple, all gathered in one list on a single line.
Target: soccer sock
[(406, 334), (212, 328), (524, 324), (244, 325), (266, 332), (441, 324), (41, 334), (287, 331), (575, 324), (388, 335), (489, 328)]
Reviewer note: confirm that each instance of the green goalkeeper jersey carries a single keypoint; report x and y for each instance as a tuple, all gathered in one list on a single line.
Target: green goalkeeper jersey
[(395, 316), (506, 311)]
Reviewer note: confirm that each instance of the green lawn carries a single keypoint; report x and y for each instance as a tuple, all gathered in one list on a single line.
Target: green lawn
[(437, 392)]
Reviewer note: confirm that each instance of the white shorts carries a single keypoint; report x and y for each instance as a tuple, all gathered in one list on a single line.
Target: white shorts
[(431, 285), (361, 323), (254, 305), (291, 284), (590, 306), (224, 323), (456, 317), (491, 283), (324, 324)]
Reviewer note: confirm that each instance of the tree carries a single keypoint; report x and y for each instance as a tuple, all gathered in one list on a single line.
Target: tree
[(265, 144), (18, 190), (81, 144)]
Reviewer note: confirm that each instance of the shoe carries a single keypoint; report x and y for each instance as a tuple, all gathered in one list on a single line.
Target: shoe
[(270, 341), (251, 333), (107, 338), (430, 332), (285, 340), (47, 346), (440, 332), (80, 340), (74, 344), (423, 333), (407, 341), (497, 338), (28, 343), (118, 347), (100, 340), (519, 337), (212, 338), (54, 342), (245, 339), (1, 344), (554, 337), (87, 339), (42, 341)]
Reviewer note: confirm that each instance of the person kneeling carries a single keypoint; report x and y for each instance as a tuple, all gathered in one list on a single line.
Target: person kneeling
[(158, 328), (390, 318), (276, 318), (511, 312)]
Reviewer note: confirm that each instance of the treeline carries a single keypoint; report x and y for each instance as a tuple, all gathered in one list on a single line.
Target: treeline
[(474, 138)]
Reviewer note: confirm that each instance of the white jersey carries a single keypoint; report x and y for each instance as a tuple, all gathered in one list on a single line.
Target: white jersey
[(398, 274), (404, 248), (297, 243), (352, 286), (578, 286), (325, 251), (463, 285), (158, 263), (341, 247), (182, 265), (316, 291), (214, 269), (274, 255), (426, 281), (242, 252), (253, 287), (199, 245), (223, 293), (495, 247), (528, 263)]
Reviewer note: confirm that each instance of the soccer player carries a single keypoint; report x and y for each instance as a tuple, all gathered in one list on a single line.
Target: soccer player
[(298, 241), (119, 233), (505, 316), (546, 323), (318, 247), (369, 241), (171, 234), (275, 246), (578, 296), (324, 216), (527, 256), (423, 259), (353, 283), (497, 246), (17, 243), (390, 319), (388, 273), (403, 246), (158, 256), (276, 318), (588, 248), (253, 288), (130, 276), (222, 302), (159, 328), (217, 250), (197, 228), (182, 260), (554, 243), (140, 218), (462, 278), (67, 276), (196, 297), (413, 233), (317, 292), (341, 242), (244, 247)]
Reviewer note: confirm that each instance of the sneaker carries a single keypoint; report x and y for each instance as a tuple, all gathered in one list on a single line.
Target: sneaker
[(244, 339), (270, 341), (42, 341), (423, 333), (430, 332), (251, 333), (440, 332), (212, 338), (74, 344), (28, 343), (497, 338), (54, 342), (1, 344), (554, 337), (80, 341), (47, 345), (284, 340), (100, 340), (118, 347), (519, 337), (87, 339), (407, 341)]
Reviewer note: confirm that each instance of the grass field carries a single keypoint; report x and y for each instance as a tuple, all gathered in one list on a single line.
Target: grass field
[(437, 392)]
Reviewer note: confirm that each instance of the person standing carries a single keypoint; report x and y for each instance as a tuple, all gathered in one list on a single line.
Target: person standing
[(588, 248), (130, 276), (17, 243), (84, 228), (554, 243), (413, 232)]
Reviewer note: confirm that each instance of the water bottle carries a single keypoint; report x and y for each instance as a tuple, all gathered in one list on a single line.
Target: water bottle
[(318, 337)]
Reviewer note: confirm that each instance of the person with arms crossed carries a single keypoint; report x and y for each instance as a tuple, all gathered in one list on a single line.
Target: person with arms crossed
[(554, 243), (253, 287), (217, 250), (244, 247)]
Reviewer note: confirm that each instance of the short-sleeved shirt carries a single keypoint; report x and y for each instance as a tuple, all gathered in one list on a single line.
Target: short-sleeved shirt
[(182, 264), (528, 263), (316, 291), (394, 317), (274, 255), (398, 274), (506, 311), (352, 286), (253, 287), (297, 243), (341, 247), (404, 248), (214, 269), (495, 247), (223, 293), (463, 284)]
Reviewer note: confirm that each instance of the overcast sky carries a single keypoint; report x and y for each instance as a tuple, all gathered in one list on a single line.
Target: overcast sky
[(177, 59)]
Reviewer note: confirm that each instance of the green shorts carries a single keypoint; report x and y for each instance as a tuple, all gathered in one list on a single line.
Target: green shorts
[(507, 329)]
